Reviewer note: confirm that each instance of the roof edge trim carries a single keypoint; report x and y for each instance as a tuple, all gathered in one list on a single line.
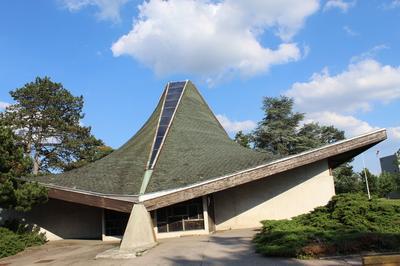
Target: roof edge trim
[(131, 198), (166, 193)]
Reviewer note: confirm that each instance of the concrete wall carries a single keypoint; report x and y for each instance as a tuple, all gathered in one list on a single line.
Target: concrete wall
[(279, 196), (65, 220)]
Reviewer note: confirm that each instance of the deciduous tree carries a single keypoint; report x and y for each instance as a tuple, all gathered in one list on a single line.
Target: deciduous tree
[(242, 139), (346, 180)]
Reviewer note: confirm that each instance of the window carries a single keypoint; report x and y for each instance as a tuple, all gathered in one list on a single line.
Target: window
[(183, 216), (174, 92), (115, 222)]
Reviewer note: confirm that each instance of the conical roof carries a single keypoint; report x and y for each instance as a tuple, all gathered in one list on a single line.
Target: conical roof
[(181, 144)]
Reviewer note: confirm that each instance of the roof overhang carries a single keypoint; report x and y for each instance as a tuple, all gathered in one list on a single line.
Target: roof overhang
[(112, 202), (336, 154)]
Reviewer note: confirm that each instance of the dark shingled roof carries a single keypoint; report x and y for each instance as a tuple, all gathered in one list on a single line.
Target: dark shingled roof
[(196, 148)]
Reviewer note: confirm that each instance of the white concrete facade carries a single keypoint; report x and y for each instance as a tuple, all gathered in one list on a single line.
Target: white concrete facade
[(280, 196)]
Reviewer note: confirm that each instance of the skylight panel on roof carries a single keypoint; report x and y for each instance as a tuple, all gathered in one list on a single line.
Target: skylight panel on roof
[(174, 92)]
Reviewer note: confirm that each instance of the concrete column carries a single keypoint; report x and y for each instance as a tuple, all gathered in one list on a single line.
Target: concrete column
[(139, 234), (103, 225)]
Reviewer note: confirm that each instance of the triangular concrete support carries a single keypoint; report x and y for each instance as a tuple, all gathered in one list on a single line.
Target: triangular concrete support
[(139, 234)]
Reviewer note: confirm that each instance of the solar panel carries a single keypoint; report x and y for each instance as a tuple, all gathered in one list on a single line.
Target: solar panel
[(174, 92)]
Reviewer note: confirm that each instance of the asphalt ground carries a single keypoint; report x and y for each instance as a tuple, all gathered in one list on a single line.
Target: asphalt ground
[(223, 248)]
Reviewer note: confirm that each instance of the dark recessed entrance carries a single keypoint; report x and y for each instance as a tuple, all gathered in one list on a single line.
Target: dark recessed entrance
[(115, 222), (184, 216)]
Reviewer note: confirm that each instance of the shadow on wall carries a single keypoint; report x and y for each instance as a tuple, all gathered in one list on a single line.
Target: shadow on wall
[(237, 201), (65, 220)]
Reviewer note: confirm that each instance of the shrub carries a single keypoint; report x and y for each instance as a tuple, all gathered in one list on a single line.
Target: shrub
[(349, 223), (15, 237)]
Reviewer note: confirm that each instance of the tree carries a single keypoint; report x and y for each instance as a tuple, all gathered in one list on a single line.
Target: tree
[(372, 181), (277, 131), (92, 150), (15, 193), (346, 180), (388, 182), (242, 139), (330, 134), (47, 118), (280, 131), (313, 135)]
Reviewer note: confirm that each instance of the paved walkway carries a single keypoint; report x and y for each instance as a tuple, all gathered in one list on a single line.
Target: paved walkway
[(224, 248)]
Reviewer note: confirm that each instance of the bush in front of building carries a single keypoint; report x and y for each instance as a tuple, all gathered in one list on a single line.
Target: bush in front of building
[(15, 237), (348, 224)]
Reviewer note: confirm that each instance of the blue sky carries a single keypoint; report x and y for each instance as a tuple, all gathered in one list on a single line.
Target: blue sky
[(339, 59)]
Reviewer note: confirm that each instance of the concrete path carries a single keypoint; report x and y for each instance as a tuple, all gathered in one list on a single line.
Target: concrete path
[(224, 248)]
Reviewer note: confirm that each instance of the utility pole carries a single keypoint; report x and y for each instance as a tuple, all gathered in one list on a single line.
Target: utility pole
[(366, 178)]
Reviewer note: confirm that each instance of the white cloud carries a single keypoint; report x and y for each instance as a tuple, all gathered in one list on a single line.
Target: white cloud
[(107, 9), (344, 6), (212, 39), (350, 31), (337, 99), (395, 3), (357, 88), (392, 4), (235, 126), (394, 132), (351, 125), (3, 105), (369, 54)]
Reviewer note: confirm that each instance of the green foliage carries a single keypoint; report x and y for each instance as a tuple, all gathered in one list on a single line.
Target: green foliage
[(13, 162), (349, 223), (47, 116), (17, 238), (91, 150), (242, 139), (21, 196), (388, 182), (312, 135), (346, 180), (15, 193), (280, 132), (372, 181), (276, 133)]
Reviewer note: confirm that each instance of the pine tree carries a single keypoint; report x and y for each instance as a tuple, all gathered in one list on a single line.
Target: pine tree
[(47, 118), (280, 132), (277, 131), (15, 193)]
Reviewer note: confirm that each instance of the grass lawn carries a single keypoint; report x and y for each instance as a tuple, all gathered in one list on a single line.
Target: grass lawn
[(348, 224)]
